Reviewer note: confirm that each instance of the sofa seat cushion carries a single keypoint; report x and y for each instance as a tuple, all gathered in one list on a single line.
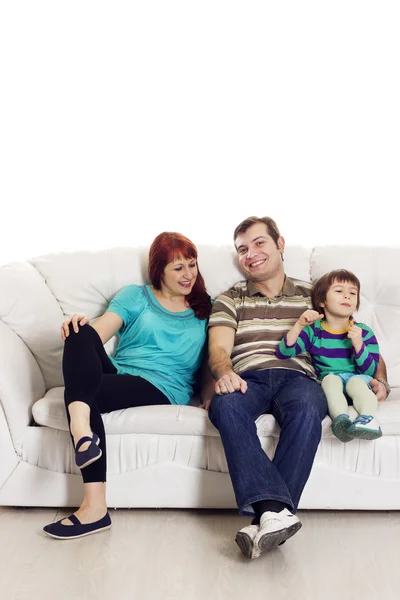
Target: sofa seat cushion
[(49, 411)]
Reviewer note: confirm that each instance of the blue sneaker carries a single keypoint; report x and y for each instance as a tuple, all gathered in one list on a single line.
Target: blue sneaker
[(340, 427), (365, 427)]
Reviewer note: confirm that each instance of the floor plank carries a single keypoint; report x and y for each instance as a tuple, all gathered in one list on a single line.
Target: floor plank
[(189, 554)]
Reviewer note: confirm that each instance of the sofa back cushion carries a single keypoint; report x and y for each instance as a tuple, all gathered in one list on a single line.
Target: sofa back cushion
[(85, 282), (35, 297), (29, 308)]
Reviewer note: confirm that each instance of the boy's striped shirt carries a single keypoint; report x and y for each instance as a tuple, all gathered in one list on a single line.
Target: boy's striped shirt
[(332, 352)]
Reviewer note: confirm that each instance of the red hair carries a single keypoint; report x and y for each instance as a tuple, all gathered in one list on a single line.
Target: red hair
[(167, 247)]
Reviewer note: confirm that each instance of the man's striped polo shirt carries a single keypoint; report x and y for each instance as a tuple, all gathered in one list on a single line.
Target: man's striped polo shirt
[(260, 324)]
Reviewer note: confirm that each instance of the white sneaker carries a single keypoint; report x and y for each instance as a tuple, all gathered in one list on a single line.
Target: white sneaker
[(365, 427), (275, 528), (245, 540)]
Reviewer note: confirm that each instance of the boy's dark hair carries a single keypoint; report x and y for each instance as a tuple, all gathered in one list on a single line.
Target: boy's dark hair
[(272, 227), (322, 285)]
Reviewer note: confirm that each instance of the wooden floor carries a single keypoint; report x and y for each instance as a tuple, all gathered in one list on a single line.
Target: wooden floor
[(187, 554)]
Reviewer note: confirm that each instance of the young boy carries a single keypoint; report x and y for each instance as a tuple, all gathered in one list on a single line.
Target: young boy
[(345, 354)]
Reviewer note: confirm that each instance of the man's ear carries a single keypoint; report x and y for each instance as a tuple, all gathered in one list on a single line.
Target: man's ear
[(281, 244)]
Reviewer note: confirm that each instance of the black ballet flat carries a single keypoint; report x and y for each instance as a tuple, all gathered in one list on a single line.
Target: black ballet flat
[(77, 529), (88, 456)]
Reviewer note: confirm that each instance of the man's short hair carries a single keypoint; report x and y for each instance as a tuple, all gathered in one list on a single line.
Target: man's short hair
[(272, 227), (323, 284)]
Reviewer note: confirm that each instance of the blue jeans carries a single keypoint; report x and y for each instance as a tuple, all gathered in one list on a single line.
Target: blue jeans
[(299, 406), (346, 376)]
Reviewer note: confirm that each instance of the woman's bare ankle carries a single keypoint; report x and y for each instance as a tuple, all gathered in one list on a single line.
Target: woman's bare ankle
[(79, 431), (79, 413), (89, 514)]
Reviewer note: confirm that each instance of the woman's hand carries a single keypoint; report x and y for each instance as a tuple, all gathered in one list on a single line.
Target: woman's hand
[(206, 404), (77, 321)]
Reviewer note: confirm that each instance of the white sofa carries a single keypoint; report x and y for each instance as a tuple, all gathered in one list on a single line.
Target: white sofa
[(171, 456)]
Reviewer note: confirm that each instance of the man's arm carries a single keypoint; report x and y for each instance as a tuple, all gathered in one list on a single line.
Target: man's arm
[(221, 340), (380, 389), (220, 346)]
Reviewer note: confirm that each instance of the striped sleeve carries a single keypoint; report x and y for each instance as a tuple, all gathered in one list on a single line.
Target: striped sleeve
[(224, 312), (367, 359), (302, 344)]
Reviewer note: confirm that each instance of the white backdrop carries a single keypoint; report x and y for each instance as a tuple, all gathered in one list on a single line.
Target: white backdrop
[(123, 119)]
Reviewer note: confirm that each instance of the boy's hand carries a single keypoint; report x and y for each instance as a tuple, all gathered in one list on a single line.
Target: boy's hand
[(355, 335), (308, 317)]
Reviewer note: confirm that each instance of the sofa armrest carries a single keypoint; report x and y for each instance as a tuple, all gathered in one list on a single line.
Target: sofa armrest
[(21, 383), (8, 455)]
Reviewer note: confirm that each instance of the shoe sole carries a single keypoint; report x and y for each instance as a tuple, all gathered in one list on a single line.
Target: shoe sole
[(340, 431), (269, 541), (366, 434), (344, 438), (245, 543), (74, 537), (92, 460)]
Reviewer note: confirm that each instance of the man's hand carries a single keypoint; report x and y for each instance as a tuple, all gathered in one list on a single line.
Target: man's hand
[(229, 383), (355, 335), (308, 318), (379, 390)]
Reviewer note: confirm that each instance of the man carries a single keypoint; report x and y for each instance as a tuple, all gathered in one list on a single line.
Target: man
[(245, 327)]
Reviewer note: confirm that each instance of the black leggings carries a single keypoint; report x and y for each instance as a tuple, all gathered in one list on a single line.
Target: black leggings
[(91, 377)]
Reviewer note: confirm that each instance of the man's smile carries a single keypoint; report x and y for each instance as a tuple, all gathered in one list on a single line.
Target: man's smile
[(257, 263)]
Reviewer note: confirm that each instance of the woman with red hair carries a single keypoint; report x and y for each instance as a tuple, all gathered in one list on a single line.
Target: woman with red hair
[(162, 335)]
